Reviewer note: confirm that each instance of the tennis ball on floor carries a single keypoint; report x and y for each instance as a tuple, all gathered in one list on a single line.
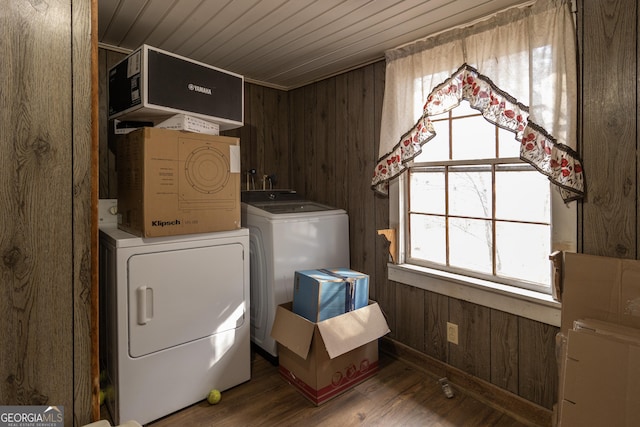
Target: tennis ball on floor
[(214, 397)]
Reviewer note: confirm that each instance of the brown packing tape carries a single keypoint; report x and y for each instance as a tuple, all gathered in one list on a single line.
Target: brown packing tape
[(350, 288)]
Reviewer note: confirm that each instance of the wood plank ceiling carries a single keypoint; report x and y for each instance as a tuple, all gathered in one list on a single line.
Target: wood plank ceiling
[(283, 43)]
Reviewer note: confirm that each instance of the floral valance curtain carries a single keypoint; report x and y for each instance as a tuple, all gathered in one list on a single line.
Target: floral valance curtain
[(518, 68)]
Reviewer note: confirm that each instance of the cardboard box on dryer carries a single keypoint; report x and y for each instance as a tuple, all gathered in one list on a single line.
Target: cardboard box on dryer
[(324, 359), (173, 182), (324, 293)]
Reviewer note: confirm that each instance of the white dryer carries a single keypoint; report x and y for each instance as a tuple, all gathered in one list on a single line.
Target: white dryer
[(287, 233), (175, 322)]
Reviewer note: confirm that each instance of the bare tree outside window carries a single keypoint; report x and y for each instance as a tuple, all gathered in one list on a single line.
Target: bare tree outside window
[(475, 208)]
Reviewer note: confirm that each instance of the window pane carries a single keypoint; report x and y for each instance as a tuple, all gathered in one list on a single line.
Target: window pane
[(523, 252), (473, 138), (470, 192), (458, 190), (470, 244), (427, 191), (522, 195), (464, 109), (428, 240), (438, 148), (508, 146)]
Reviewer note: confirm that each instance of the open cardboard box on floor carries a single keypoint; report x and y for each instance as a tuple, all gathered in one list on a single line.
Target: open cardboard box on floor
[(325, 359)]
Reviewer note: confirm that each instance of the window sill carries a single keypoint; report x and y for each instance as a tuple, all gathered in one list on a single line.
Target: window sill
[(521, 302)]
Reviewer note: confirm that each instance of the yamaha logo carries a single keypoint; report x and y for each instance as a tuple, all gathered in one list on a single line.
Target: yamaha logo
[(200, 89)]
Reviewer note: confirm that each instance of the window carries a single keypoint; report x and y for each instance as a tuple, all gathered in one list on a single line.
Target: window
[(478, 155), (475, 208)]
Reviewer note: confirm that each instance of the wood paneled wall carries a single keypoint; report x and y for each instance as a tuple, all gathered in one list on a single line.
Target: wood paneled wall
[(108, 177), (322, 141), (264, 139), (45, 199), (608, 35), (334, 127)]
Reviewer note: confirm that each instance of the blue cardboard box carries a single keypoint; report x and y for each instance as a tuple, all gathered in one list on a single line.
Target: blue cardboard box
[(325, 293)]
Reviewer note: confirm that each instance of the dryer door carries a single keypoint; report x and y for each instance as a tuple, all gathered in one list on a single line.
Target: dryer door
[(183, 295)]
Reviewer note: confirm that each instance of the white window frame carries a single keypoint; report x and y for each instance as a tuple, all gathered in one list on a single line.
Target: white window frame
[(521, 302)]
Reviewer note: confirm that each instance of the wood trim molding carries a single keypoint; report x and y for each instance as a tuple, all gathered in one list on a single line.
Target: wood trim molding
[(95, 165), (515, 406)]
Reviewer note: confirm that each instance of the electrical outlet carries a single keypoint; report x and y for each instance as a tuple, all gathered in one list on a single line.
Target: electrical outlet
[(452, 333)]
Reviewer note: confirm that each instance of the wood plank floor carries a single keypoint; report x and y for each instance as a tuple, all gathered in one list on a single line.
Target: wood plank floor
[(398, 395)]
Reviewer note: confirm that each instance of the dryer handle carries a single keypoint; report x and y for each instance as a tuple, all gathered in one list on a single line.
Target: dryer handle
[(144, 298)]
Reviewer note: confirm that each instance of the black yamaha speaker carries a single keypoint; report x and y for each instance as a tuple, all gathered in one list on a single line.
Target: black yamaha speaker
[(151, 85)]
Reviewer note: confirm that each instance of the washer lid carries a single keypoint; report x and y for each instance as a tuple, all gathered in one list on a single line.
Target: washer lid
[(259, 196), (301, 206)]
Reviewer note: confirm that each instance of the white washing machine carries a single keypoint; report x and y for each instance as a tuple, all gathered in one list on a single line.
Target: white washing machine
[(287, 233), (174, 319)]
